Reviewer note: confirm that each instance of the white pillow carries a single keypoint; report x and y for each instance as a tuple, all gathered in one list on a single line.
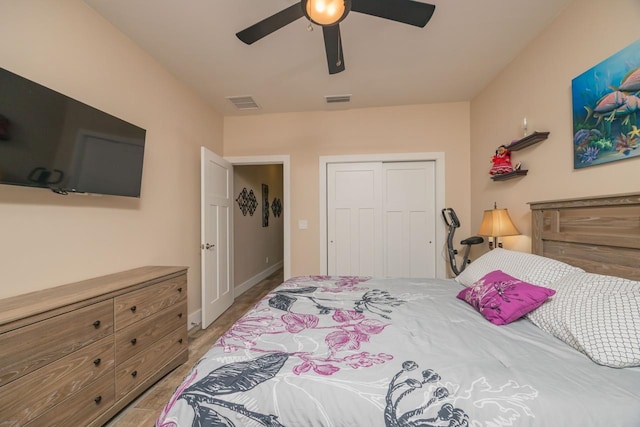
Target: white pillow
[(597, 315), (530, 268)]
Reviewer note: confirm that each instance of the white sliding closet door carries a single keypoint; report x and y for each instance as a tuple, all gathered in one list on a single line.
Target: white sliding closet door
[(381, 219), (409, 219), (354, 220)]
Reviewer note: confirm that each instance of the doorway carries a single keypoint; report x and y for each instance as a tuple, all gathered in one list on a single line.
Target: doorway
[(285, 212)]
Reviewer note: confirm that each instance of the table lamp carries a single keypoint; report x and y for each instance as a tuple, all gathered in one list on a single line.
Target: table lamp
[(497, 223)]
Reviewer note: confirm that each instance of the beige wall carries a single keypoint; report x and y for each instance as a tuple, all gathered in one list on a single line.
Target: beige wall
[(256, 248), (537, 85), (49, 239), (307, 136)]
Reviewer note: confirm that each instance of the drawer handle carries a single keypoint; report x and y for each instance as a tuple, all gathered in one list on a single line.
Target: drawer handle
[(98, 400), (96, 324), (133, 309), (97, 361), (180, 340), (180, 289), (134, 374), (180, 315), (134, 341)]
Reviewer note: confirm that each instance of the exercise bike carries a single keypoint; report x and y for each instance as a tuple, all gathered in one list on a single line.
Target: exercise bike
[(452, 221)]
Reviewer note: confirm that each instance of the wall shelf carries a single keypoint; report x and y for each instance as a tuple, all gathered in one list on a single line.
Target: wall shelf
[(519, 144), (510, 175), (528, 140)]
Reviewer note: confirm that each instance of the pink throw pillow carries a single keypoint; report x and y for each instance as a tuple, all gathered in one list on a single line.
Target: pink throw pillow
[(501, 298)]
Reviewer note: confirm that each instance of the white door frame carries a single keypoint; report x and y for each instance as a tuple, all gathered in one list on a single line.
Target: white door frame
[(286, 197), (437, 157)]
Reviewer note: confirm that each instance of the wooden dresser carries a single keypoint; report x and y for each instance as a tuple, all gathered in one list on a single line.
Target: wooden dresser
[(75, 355)]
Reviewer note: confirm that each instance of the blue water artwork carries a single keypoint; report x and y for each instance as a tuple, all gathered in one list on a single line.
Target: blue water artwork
[(606, 110)]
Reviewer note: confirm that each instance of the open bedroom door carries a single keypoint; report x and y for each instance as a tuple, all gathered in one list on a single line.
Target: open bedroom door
[(216, 235)]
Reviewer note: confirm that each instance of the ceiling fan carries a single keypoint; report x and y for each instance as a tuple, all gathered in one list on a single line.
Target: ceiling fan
[(329, 13)]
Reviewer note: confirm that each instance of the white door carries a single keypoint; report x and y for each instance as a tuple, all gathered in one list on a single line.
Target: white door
[(354, 219), (409, 219), (216, 235), (381, 219)]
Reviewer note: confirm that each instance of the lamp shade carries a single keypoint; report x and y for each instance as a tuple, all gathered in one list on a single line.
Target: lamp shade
[(497, 223), (326, 12)]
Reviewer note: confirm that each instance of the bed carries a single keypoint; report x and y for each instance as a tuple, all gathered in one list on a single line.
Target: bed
[(515, 340)]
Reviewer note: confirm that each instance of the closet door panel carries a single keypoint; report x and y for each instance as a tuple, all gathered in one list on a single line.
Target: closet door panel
[(394, 248), (354, 219), (418, 264), (341, 247), (409, 212)]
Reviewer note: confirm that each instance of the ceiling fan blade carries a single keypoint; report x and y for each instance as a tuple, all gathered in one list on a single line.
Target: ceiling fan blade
[(405, 11), (269, 25), (333, 46)]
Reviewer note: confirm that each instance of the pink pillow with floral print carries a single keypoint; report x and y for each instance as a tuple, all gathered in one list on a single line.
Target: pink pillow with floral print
[(501, 298)]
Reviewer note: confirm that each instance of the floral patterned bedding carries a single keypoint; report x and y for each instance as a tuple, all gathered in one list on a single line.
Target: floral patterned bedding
[(357, 351)]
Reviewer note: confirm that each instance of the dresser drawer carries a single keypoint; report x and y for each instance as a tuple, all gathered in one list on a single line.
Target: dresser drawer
[(137, 305), (81, 407), (26, 349), (33, 394), (139, 336), (142, 366)]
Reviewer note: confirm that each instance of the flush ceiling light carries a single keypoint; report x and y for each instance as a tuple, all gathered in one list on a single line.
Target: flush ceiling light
[(326, 12)]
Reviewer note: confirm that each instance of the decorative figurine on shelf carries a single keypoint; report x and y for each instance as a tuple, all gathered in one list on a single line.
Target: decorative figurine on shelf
[(501, 161)]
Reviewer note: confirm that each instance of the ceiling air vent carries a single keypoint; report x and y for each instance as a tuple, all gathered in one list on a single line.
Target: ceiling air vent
[(334, 99), (243, 102)]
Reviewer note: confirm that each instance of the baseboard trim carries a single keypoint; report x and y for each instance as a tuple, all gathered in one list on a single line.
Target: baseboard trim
[(244, 287)]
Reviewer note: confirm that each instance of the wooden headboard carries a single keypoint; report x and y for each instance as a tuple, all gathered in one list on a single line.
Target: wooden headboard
[(599, 234)]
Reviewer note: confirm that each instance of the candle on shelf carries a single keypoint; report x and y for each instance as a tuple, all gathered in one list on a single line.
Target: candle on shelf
[(524, 126)]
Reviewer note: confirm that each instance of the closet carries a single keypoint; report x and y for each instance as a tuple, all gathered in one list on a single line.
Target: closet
[(381, 219)]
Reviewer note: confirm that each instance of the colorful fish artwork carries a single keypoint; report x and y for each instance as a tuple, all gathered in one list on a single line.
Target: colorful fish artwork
[(606, 110), (607, 106), (631, 82)]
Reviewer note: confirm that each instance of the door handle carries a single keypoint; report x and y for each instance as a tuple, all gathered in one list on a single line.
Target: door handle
[(207, 246)]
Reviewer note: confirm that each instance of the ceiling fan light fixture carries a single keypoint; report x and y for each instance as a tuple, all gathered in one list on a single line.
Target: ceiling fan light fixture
[(326, 12)]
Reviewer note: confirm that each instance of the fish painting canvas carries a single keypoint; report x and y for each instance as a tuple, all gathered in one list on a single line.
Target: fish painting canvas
[(606, 110)]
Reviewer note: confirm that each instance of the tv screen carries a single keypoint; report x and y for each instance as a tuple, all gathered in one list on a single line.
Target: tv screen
[(52, 141)]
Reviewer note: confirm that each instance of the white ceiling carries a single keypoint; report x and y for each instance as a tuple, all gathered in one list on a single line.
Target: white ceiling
[(462, 48)]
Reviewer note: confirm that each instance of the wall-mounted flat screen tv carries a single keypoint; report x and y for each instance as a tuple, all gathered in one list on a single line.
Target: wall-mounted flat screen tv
[(52, 141)]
